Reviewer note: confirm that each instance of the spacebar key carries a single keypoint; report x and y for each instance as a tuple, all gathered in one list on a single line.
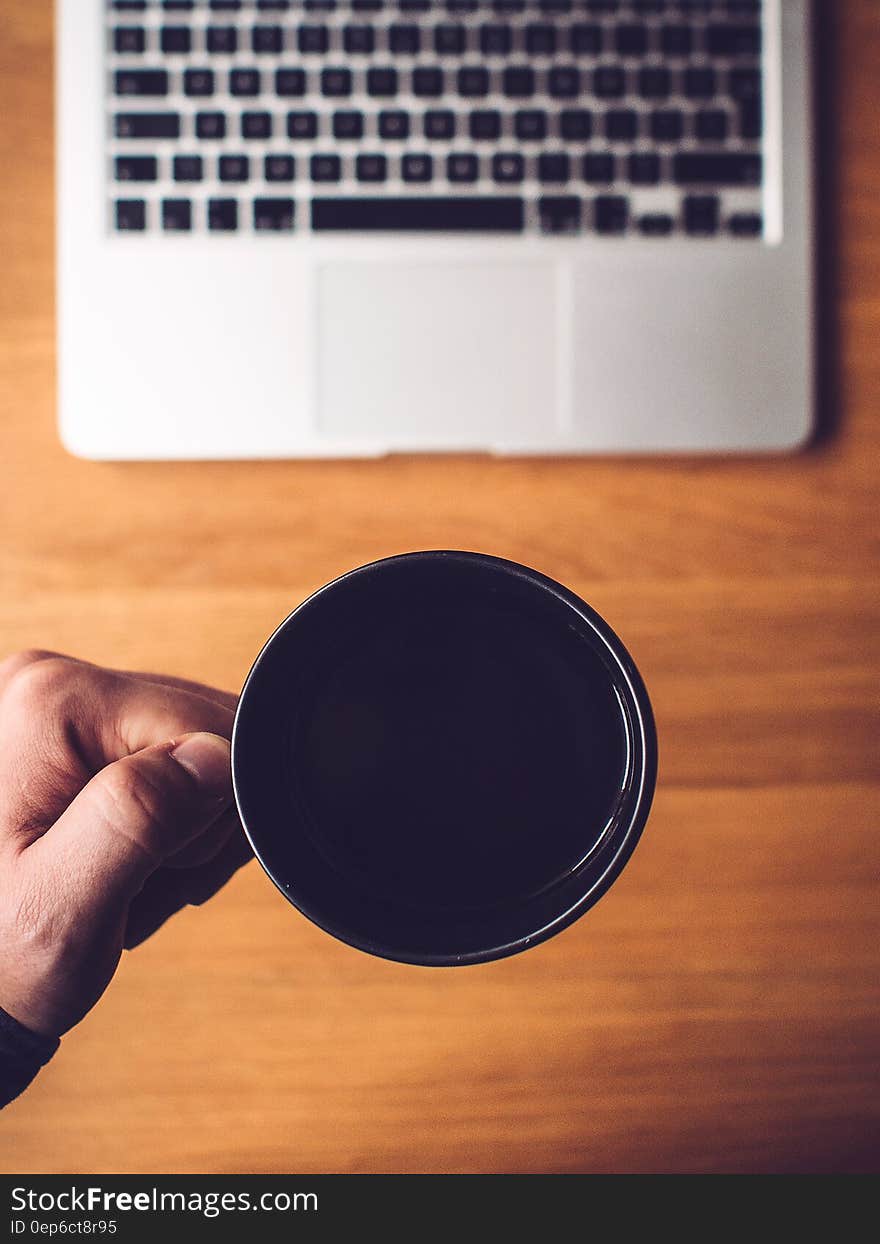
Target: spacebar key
[(502, 214)]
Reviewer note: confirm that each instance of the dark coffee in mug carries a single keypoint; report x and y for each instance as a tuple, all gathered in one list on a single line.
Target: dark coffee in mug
[(443, 757)]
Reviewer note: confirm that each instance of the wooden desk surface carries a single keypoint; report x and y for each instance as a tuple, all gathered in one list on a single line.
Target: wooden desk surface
[(718, 1010)]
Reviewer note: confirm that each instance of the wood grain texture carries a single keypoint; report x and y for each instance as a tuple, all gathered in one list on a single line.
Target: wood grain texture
[(718, 1010)]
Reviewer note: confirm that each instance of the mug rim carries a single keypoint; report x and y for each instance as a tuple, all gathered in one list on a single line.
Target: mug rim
[(640, 735)]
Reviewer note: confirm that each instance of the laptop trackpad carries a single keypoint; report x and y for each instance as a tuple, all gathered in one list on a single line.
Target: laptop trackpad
[(449, 355)]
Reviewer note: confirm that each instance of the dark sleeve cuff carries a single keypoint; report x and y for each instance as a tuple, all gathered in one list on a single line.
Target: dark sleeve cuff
[(22, 1054)]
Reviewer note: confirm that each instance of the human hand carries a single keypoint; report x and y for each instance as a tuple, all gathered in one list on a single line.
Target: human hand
[(115, 811)]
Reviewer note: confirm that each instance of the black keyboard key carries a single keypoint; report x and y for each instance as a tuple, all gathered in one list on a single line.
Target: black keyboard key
[(746, 225), (744, 83), (416, 167), (472, 81), (233, 168), (325, 168), (610, 213), (141, 82), (279, 168), (371, 168), (718, 168), (553, 166), (427, 81), (382, 81), (656, 224), (256, 126), (404, 39), (576, 124), (701, 214), (586, 39), (302, 125), (643, 168), (540, 39), (147, 125), (394, 124), (463, 6), (609, 82), (187, 168), (366, 6), (462, 167), (335, 82), (630, 40), (211, 125), (176, 215), (450, 39), (559, 214), (750, 118), (598, 167), (508, 167), (518, 81), (244, 82), (471, 214), (359, 40), (198, 82), (530, 124), (280, 6), (439, 123), (136, 168), (129, 40), (290, 82), (176, 40), (273, 215), (724, 40), (676, 40), (621, 125), (666, 125), (564, 82), (495, 40), (485, 124), (221, 40), (131, 215), (222, 215), (710, 125), (312, 39), (654, 82), (348, 123), (699, 82), (267, 40)]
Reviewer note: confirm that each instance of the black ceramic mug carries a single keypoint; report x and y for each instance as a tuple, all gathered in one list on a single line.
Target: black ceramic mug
[(443, 757)]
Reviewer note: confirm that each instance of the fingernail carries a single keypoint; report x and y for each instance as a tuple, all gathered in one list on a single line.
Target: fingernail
[(206, 757)]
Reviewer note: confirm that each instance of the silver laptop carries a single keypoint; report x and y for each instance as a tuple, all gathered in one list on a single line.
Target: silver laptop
[(300, 228)]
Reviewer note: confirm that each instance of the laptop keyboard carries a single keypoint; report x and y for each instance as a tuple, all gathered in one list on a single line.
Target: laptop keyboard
[(608, 117)]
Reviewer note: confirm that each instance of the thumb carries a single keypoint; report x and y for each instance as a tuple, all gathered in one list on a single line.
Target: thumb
[(134, 814)]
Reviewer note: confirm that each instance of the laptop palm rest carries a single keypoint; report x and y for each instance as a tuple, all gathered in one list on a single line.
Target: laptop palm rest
[(457, 355)]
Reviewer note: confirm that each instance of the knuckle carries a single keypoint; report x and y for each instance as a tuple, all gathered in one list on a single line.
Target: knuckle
[(38, 681), (131, 791), (19, 660), (12, 666), (137, 804)]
